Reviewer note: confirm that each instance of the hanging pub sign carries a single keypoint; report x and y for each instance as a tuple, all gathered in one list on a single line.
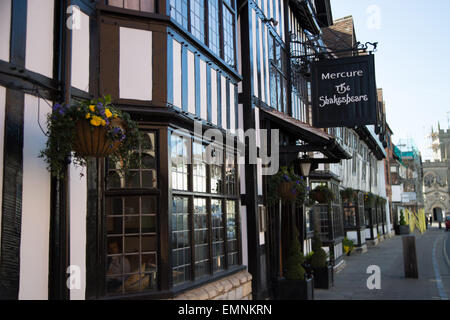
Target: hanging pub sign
[(344, 92)]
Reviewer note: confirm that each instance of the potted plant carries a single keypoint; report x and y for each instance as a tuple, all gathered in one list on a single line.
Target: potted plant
[(348, 246), (87, 129), (404, 227), (286, 185), (349, 196), (323, 271), (322, 194), (296, 284)]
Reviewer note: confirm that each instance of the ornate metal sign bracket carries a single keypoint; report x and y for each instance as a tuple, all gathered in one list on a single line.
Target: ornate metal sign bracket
[(358, 47)]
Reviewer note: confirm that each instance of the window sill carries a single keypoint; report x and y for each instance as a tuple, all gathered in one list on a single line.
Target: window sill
[(168, 294)]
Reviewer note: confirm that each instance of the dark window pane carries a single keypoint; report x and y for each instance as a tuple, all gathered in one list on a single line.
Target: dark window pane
[(114, 225), (114, 245), (148, 243), (180, 241), (114, 206), (132, 244), (201, 237), (148, 205), (148, 224), (131, 224), (132, 205)]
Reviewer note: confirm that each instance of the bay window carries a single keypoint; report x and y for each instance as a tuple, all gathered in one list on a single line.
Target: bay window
[(205, 219)]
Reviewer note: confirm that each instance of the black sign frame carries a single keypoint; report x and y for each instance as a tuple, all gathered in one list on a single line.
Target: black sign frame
[(349, 82)]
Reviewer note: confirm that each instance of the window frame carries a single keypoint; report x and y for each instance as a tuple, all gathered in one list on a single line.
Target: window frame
[(224, 198)]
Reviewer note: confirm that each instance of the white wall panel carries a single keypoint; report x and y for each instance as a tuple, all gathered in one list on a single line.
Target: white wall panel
[(78, 203), (80, 54), (135, 69), (232, 109), (243, 216), (203, 91), (191, 82), (224, 101), (177, 87), (2, 138), (214, 96), (35, 206), (254, 49), (5, 29), (39, 44)]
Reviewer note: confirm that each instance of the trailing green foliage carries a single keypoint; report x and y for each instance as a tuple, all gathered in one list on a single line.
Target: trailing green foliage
[(295, 260), (349, 195), (61, 134), (286, 175), (322, 194)]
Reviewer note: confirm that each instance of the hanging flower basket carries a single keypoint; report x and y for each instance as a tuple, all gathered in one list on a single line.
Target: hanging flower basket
[(287, 186), (322, 194), (287, 191), (94, 141), (87, 129)]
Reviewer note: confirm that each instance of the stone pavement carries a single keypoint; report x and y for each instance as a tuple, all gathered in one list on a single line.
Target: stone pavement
[(434, 271)]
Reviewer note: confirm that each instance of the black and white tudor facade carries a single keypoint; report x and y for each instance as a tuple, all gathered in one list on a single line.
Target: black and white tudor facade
[(176, 225)]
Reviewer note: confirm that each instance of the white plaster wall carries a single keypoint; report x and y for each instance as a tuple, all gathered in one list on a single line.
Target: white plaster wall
[(232, 109), (191, 82), (34, 247), (224, 101), (214, 96), (244, 247), (78, 203), (39, 44), (177, 74), (254, 50), (2, 138), (5, 29), (80, 54), (135, 71), (203, 91)]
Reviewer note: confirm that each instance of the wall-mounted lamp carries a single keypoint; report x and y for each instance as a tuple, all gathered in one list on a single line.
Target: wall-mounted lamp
[(272, 20)]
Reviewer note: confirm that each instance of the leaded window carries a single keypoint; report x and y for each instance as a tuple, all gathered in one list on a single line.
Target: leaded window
[(198, 19), (179, 11), (228, 35), (139, 5), (181, 246), (130, 224), (213, 14), (205, 218)]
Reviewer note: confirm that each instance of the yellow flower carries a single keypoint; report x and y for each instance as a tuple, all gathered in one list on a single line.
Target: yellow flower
[(96, 121), (88, 115), (108, 113), (103, 122), (115, 116), (92, 107)]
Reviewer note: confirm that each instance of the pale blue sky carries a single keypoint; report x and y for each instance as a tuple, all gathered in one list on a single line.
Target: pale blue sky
[(412, 61)]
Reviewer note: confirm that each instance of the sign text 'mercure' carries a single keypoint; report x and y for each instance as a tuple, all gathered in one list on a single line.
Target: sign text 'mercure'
[(341, 75)]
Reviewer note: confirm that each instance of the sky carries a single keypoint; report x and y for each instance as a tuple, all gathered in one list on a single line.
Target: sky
[(411, 61)]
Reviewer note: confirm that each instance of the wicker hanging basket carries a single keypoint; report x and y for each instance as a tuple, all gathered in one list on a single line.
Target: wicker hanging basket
[(285, 191), (93, 141)]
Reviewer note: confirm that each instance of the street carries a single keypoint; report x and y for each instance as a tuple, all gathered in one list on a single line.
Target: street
[(433, 265)]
